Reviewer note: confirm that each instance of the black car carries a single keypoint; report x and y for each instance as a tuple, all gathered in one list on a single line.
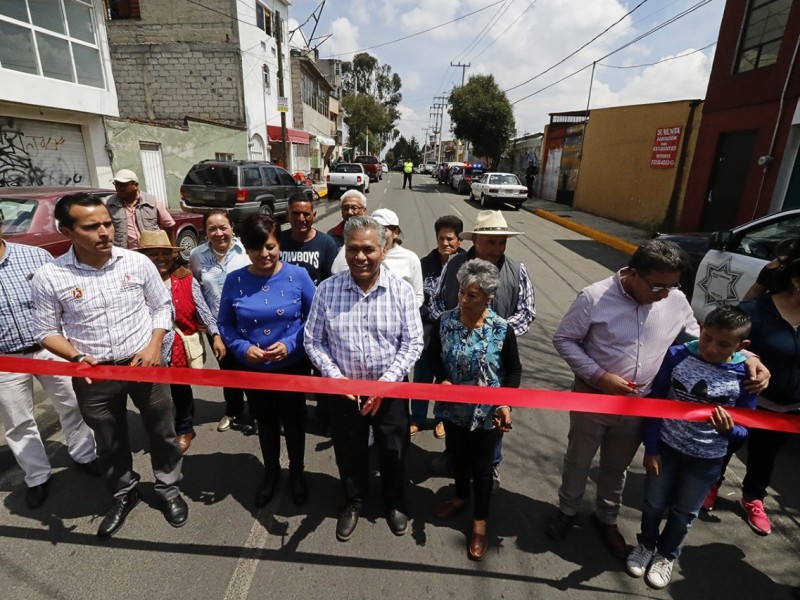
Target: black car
[(242, 187)]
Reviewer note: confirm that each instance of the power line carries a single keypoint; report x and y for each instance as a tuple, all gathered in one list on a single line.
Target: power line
[(485, 29), (669, 21), (659, 61), (474, 12), (514, 22), (566, 58)]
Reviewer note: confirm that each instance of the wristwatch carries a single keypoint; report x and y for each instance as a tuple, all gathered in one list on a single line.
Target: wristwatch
[(77, 358)]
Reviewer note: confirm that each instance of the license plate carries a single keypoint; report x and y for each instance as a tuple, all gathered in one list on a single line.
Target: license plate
[(209, 195)]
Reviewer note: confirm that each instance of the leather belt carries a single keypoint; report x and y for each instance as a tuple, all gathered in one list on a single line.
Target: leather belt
[(27, 349), (117, 363)]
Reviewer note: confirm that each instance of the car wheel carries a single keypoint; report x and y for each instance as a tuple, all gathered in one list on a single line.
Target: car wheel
[(187, 241), (265, 209), (472, 196), (484, 202)]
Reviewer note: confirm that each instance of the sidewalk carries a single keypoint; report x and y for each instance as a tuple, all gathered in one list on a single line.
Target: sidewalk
[(624, 238)]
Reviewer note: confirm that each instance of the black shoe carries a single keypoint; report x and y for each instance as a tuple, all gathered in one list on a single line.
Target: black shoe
[(91, 468), (268, 488), (299, 488), (36, 495), (115, 517), (176, 511), (559, 525), (347, 522), (397, 521)]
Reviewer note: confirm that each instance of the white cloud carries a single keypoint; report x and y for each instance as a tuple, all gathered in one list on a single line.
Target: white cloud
[(411, 81), (344, 38)]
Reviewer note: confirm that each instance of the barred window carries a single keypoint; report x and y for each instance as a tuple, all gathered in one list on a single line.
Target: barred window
[(264, 19)]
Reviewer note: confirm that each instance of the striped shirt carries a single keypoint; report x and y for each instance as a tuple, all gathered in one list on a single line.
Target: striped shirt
[(17, 267), (108, 313), (375, 335), (211, 272), (607, 331)]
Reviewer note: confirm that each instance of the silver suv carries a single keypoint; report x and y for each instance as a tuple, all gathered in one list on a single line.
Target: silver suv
[(242, 187)]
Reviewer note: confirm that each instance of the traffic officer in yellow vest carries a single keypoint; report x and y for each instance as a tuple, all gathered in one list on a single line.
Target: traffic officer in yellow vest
[(133, 211), (408, 171)]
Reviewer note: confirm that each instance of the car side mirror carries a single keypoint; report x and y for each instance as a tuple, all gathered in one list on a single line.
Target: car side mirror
[(719, 240)]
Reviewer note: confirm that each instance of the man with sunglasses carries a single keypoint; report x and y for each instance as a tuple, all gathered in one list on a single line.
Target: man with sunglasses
[(614, 338)]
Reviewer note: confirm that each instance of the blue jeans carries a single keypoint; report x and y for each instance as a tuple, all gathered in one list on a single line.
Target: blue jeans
[(680, 490)]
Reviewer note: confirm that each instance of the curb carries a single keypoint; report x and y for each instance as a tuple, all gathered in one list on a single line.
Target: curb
[(603, 238)]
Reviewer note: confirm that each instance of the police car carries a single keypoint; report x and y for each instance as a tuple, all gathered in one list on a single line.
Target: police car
[(725, 264)]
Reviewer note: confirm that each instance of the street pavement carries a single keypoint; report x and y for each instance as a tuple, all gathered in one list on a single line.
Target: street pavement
[(230, 549)]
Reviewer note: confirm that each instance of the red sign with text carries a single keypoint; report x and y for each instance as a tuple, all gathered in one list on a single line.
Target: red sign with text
[(665, 147)]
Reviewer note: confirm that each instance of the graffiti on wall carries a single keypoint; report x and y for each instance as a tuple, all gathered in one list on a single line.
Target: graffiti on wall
[(31, 157)]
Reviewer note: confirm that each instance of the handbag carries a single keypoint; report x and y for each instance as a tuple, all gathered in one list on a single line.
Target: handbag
[(195, 349)]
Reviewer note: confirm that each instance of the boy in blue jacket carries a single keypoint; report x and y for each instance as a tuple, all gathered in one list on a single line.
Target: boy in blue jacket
[(683, 459)]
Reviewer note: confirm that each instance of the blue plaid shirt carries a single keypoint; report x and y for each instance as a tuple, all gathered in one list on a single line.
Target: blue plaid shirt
[(17, 267), (372, 336)]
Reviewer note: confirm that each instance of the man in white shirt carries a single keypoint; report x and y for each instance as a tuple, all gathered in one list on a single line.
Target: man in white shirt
[(102, 305)]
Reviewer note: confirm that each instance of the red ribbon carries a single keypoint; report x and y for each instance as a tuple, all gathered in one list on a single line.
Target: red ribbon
[(521, 398)]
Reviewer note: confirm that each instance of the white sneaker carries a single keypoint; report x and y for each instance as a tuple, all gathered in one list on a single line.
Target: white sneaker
[(660, 571), (638, 560)]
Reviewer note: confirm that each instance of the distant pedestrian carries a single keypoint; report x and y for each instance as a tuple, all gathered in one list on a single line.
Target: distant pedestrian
[(103, 305), (408, 172), (364, 324), (530, 176), (353, 204), (683, 459), (133, 211)]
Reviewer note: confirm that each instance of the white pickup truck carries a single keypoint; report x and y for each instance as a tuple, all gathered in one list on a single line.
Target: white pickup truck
[(725, 264), (347, 176)]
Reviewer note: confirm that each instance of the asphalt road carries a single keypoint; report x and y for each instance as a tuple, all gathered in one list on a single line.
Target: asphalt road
[(231, 550)]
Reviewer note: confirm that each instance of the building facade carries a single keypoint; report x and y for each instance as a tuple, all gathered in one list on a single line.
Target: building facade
[(57, 85), (746, 163)]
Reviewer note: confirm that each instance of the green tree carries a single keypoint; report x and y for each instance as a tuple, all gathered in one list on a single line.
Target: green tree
[(481, 114), (371, 94), (404, 148)]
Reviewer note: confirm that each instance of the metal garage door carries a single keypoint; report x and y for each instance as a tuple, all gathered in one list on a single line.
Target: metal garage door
[(41, 153)]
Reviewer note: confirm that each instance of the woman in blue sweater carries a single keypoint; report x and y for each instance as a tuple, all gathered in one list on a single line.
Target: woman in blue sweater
[(261, 315)]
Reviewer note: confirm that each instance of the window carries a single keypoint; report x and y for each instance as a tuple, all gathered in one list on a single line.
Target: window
[(267, 84), (51, 38), (314, 94), (251, 177), (762, 240), (763, 32), (264, 19), (122, 9), (223, 156)]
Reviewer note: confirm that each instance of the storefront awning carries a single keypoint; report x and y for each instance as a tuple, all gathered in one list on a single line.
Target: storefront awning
[(325, 141), (295, 136)]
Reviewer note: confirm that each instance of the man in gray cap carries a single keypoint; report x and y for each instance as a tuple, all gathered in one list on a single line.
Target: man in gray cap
[(133, 211)]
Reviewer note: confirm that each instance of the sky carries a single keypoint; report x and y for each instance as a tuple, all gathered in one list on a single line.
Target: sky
[(521, 40)]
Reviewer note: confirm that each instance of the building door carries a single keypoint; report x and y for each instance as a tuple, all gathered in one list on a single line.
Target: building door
[(153, 167), (792, 199), (734, 159)]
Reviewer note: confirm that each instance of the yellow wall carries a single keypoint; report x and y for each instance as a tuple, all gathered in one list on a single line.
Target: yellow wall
[(616, 180)]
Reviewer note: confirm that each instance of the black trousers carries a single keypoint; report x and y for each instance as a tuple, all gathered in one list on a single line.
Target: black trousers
[(104, 406), (473, 453), (762, 449), (350, 444), (272, 409), (234, 397), (183, 399), (407, 178)]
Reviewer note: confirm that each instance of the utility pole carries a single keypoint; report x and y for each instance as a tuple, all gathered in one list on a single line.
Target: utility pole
[(284, 136), (439, 111), (463, 68)]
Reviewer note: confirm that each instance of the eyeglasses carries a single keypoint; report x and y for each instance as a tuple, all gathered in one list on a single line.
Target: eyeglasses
[(352, 208), (660, 288)]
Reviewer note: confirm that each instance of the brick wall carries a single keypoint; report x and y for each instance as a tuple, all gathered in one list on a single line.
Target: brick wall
[(179, 59)]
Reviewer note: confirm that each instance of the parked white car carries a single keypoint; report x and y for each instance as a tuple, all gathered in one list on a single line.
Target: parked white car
[(347, 176), (725, 264), (498, 188)]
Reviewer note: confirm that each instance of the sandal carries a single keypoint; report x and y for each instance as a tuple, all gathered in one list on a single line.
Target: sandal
[(414, 428), (438, 431)]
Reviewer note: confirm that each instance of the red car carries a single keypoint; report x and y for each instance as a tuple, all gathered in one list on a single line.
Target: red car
[(28, 213), (372, 166)]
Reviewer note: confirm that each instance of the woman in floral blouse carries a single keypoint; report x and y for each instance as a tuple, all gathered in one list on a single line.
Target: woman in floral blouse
[(473, 345)]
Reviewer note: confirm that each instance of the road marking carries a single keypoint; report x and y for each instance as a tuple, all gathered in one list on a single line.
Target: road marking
[(249, 560), (458, 212)]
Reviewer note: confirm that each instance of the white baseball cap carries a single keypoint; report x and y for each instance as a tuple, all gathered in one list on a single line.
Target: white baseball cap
[(124, 176), (386, 217)]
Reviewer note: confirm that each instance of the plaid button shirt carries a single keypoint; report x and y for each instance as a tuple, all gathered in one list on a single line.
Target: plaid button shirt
[(17, 267), (375, 335)]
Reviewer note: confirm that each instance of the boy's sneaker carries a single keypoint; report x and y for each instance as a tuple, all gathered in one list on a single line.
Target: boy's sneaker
[(638, 560), (660, 571), (711, 498), (756, 516)]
